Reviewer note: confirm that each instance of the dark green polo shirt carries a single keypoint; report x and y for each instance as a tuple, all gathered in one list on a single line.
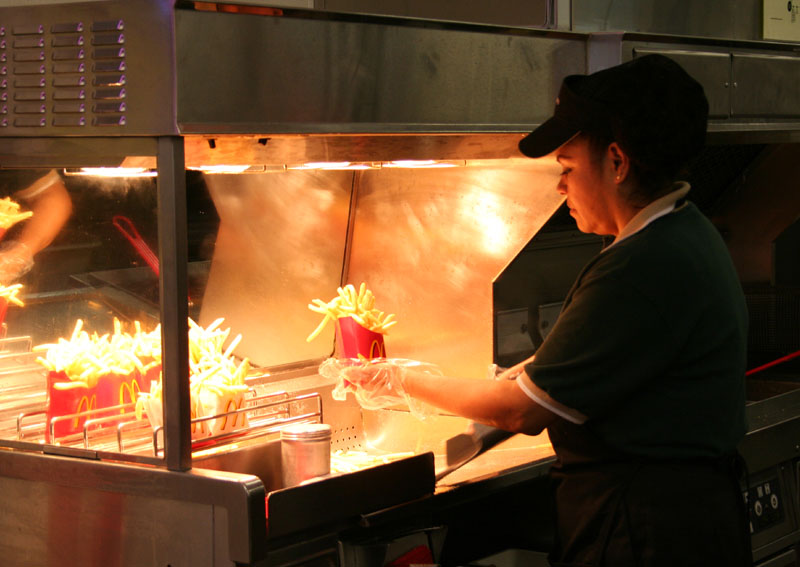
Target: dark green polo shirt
[(651, 343)]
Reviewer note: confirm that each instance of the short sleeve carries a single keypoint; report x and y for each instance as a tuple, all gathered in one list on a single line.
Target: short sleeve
[(609, 340)]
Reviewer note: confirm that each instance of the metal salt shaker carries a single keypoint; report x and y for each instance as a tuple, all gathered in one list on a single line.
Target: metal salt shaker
[(305, 452)]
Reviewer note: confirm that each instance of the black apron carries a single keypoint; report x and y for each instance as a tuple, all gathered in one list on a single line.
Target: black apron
[(615, 510)]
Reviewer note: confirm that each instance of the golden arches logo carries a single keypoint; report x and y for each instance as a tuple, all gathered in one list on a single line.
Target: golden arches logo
[(377, 349), (131, 389), (232, 405), (84, 404)]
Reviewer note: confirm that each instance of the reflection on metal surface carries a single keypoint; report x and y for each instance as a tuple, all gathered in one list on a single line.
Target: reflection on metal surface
[(280, 244), (731, 20), (277, 150), (449, 232), (429, 243), (381, 76), (388, 431)]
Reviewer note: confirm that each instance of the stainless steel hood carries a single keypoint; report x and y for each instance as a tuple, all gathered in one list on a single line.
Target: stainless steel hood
[(317, 73), (316, 85)]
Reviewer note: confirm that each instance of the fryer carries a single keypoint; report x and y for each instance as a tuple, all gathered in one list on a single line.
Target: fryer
[(266, 155)]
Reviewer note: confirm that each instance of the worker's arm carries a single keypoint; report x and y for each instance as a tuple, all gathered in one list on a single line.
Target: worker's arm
[(51, 208), (500, 403), (505, 404), (51, 205)]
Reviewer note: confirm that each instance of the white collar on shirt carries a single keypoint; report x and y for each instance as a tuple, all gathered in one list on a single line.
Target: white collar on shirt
[(658, 208)]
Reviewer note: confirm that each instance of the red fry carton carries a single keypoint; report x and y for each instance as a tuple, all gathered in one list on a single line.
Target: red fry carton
[(3, 309), (68, 401), (352, 339), (152, 373), (111, 390), (118, 389)]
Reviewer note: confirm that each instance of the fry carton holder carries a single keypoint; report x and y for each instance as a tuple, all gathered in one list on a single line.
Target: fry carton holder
[(211, 414), (353, 340), (80, 403)]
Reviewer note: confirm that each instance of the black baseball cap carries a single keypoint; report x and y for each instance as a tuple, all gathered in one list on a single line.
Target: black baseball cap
[(650, 105)]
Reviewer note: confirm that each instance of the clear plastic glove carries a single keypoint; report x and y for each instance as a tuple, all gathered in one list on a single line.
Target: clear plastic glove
[(378, 383), (16, 260)]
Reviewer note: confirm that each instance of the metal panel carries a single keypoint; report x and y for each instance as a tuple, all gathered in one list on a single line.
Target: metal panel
[(731, 20), (751, 87), (62, 507), (429, 243), (73, 527), (533, 13), (766, 86), (280, 244), (264, 74), (173, 289), (300, 149), (102, 69), (712, 70)]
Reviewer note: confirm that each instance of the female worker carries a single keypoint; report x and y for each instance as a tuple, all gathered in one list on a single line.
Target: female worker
[(640, 383)]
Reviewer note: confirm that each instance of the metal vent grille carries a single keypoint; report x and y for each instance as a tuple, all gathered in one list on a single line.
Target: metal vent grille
[(714, 173), (65, 74), (774, 321)]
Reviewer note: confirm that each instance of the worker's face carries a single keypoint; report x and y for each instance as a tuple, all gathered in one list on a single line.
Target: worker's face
[(589, 190)]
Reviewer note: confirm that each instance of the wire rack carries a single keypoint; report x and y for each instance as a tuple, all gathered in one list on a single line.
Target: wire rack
[(23, 413)]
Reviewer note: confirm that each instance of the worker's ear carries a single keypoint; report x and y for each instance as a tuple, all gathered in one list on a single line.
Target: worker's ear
[(619, 162)]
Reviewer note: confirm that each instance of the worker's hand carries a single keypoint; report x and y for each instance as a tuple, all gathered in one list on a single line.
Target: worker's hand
[(377, 383), (374, 377), (16, 260)]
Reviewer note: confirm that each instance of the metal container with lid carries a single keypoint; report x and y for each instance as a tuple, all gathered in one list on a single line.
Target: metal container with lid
[(305, 452)]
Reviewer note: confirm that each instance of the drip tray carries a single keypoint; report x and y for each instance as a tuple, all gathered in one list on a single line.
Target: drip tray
[(342, 497), (765, 388)]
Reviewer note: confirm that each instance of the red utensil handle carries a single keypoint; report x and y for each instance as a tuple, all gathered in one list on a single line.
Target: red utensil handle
[(773, 363), (128, 230)]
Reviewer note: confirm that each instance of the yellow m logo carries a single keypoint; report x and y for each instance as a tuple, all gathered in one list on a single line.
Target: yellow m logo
[(84, 404)]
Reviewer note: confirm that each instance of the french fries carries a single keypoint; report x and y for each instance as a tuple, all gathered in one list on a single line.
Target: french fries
[(213, 373), (210, 367), (10, 213), (217, 381), (360, 305), (85, 357), (10, 294)]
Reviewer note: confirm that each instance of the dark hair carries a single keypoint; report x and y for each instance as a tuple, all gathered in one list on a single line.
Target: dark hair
[(657, 115), (650, 183)]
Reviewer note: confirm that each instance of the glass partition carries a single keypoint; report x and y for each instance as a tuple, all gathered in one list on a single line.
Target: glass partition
[(82, 362), (81, 328)]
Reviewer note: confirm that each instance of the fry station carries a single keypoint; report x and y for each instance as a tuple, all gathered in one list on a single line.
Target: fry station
[(248, 180)]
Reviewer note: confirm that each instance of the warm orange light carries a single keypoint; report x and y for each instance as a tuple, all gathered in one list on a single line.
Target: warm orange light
[(112, 172), (334, 165), (421, 164)]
